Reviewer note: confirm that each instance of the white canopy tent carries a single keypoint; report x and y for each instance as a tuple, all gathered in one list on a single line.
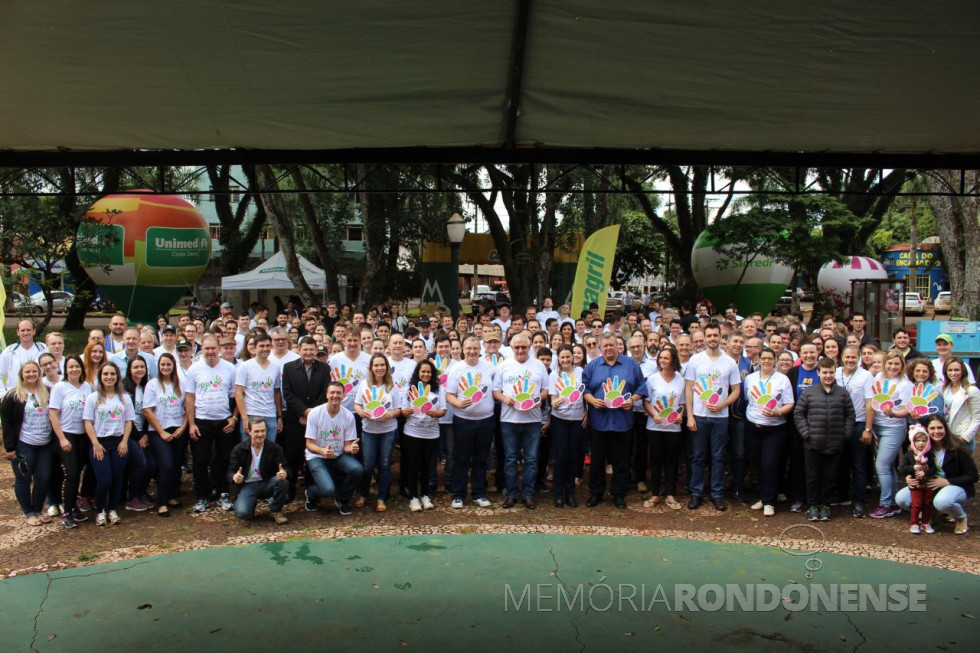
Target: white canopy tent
[(271, 275)]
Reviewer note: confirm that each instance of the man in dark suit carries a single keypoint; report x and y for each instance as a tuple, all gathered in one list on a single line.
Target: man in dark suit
[(304, 387)]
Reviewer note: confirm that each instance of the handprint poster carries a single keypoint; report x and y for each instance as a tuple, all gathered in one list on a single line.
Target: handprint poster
[(421, 399), (761, 394), (568, 388), (526, 394), (473, 386), (883, 394), (920, 403), (667, 408), (614, 392), (376, 401), (708, 388)]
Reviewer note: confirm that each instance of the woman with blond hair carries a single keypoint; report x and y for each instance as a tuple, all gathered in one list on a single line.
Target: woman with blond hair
[(27, 441)]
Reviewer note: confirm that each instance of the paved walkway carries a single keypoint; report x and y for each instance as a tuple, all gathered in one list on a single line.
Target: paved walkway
[(477, 592)]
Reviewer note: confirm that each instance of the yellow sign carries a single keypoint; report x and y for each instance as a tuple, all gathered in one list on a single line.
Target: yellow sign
[(594, 270)]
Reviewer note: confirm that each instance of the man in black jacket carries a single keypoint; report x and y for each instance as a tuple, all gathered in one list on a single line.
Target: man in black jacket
[(304, 387), (257, 472), (824, 417)]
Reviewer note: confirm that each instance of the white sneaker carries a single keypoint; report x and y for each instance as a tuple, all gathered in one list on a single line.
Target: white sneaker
[(780, 497), (53, 511), (483, 502), (928, 529), (415, 505), (427, 503), (768, 511), (100, 519), (224, 502), (457, 504), (114, 517), (915, 529), (756, 506)]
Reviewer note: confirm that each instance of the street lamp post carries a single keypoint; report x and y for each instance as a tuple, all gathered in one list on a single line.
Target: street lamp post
[(456, 229)]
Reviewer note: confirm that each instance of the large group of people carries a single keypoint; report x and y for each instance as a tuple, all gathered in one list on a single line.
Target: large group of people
[(312, 404)]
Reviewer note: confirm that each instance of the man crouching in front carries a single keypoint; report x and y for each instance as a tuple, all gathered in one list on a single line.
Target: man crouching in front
[(257, 471)]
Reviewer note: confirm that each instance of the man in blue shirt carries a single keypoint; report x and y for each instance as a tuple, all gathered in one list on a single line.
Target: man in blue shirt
[(613, 383)]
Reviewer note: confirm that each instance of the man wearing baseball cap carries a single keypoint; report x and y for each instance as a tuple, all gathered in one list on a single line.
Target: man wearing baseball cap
[(944, 346), (168, 342)]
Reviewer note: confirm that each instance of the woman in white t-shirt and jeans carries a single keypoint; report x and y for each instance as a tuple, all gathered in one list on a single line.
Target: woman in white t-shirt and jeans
[(65, 411), (166, 419), (108, 421), (27, 441)]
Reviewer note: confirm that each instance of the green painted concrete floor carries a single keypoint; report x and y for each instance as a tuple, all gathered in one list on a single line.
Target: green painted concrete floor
[(481, 592)]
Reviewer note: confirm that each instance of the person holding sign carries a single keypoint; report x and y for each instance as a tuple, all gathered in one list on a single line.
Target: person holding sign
[(520, 385), (331, 444), (426, 401), (257, 471), (377, 403), (613, 383)]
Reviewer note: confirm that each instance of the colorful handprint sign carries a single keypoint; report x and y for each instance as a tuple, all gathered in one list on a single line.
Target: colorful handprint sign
[(525, 394), (761, 394), (346, 375), (883, 394), (442, 364), (708, 388), (613, 392), (472, 386), (918, 404), (375, 401), (568, 388), (666, 408), (420, 399)]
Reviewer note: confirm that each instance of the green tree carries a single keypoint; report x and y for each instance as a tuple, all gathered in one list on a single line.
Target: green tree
[(958, 223)]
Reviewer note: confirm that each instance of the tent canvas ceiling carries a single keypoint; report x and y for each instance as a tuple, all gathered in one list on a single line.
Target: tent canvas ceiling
[(769, 75)]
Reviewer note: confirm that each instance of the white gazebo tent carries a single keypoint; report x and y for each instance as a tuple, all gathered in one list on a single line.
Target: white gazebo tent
[(271, 275)]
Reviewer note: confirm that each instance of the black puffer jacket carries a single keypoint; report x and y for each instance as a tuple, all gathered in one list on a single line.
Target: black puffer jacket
[(824, 419)]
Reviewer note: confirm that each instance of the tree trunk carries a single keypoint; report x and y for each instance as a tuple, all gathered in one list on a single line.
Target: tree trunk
[(377, 210), (958, 223), (316, 235), (276, 210)]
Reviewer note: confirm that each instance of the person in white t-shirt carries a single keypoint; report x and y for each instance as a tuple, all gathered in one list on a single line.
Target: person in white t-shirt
[(378, 403), (18, 353), (857, 381), (331, 447), (713, 384), (468, 391), (258, 389), (209, 388), (349, 367), (108, 418), (520, 385)]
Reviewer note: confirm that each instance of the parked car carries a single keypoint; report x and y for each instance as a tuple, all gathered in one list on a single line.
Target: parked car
[(944, 302), (914, 304), (614, 300), (60, 300), (21, 303), (804, 295), (493, 300)]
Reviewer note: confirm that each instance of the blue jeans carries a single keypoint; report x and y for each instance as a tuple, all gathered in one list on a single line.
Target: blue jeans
[(766, 444), (326, 472), (949, 500), (471, 450), (38, 461), (168, 471), (136, 468), (890, 440), (566, 443), (736, 445), (270, 428), (518, 438), (711, 436), (377, 449), (249, 494), (859, 464), (109, 473)]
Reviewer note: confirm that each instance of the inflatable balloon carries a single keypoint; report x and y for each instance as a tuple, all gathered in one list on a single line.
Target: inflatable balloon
[(835, 277), (145, 251), (717, 273)]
